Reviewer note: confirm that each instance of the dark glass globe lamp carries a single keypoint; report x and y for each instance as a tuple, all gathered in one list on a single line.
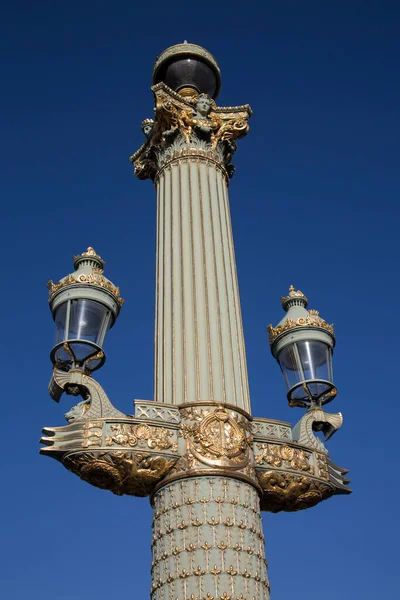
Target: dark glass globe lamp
[(188, 69), (84, 306), (303, 343)]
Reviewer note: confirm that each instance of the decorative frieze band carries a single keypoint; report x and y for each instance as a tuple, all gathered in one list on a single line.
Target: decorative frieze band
[(166, 444)]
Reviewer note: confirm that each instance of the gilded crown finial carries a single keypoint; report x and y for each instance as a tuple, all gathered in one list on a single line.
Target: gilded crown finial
[(294, 302), (293, 295), (90, 252), (88, 272)]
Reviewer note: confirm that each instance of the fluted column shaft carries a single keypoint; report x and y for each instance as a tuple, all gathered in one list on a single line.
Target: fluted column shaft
[(199, 344)]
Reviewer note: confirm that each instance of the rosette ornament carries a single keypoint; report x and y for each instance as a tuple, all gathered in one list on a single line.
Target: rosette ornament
[(84, 305), (303, 343)]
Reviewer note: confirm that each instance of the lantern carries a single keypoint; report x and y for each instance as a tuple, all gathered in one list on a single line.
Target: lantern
[(84, 305), (303, 343)]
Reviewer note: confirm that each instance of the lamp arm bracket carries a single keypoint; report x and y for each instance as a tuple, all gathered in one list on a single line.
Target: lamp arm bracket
[(135, 455), (316, 420), (96, 404)]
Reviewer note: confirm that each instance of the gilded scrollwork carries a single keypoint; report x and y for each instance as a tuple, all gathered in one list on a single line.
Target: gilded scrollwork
[(120, 472), (290, 492), (184, 126), (285, 456), (313, 319), (95, 277), (142, 435)]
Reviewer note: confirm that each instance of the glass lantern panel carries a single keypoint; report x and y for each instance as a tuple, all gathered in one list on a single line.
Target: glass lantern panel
[(62, 356), (330, 367), (86, 320), (82, 351), (60, 318), (290, 366), (105, 326), (315, 359)]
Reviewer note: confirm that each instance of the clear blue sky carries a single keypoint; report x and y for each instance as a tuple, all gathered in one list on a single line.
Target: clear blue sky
[(315, 202)]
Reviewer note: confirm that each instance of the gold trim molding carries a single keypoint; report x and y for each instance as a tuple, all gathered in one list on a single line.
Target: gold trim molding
[(94, 278), (312, 320)]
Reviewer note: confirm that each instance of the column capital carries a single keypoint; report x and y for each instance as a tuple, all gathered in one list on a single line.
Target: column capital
[(186, 127)]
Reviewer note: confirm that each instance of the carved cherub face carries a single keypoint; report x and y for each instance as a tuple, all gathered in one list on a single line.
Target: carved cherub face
[(203, 104), (77, 411)]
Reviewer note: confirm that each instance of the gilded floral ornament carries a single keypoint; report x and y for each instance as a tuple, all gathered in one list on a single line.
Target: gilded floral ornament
[(142, 435), (286, 456), (311, 320), (95, 278)]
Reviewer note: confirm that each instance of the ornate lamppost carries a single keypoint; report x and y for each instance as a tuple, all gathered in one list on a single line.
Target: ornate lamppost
[(208, 466)]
